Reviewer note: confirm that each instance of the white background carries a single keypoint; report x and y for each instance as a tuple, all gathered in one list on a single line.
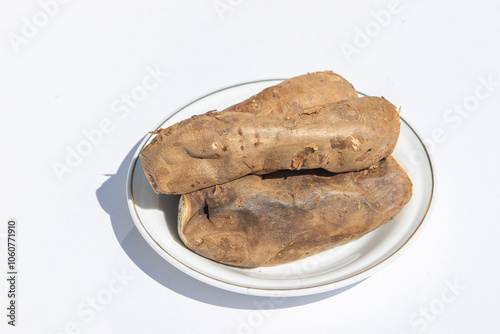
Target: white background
[(63, 77)]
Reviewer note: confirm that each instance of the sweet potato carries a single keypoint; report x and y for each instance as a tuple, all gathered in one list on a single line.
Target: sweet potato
[(217, 147), (297, 93), (262, 220), (285, 98)]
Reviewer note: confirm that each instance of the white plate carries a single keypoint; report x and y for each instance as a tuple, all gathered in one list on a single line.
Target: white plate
[(156, 218)]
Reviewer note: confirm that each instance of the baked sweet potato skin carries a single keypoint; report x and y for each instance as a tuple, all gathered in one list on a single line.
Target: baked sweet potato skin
[(286, 98), (218, 147), (285, 216), (295, 94)]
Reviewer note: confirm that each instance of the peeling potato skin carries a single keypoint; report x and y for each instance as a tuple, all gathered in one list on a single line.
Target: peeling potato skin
[(285, 216), (218, 147)]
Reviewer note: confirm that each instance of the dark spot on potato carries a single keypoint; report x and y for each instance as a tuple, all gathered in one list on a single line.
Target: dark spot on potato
[(155, 140), (240, 132), (257, 144), (205, 209), (309, 150), (224, 148), (338, 143), (242, 147), (341, 159)]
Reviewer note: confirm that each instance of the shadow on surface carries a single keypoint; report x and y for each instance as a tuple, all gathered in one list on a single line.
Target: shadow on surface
[(112, 198)]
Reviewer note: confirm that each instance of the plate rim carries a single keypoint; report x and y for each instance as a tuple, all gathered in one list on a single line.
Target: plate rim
[(273, 292)]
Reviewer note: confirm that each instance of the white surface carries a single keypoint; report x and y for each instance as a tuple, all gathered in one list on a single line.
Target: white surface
[(155, 216), (78, 244)]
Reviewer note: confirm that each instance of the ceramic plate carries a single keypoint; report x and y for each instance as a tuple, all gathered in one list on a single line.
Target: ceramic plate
[(156, 218)]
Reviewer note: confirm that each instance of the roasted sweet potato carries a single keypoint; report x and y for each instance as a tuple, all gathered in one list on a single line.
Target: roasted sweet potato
[(262, 220), (297, 93), (288, 97), (217, 147)]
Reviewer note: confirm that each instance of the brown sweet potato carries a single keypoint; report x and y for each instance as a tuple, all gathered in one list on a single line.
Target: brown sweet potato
[(286, 98), (298, 93), (217, 147), (285, 216)]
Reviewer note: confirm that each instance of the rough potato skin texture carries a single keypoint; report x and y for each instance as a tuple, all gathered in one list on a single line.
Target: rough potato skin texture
[(285, 216), (298, 93), (286, 98), (218, 147)]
